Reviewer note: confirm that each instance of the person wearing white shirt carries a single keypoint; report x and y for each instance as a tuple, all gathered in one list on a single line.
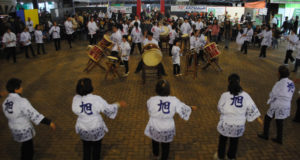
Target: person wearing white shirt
[(280, 104), (235, 107), (25, 39), (150, 39), (90, 125), (176, 53), (125, 53), (69, 30), (55, 31), (200, 44), (266, 42), (136, 19), (274, 21), (20, 113), (186, 27), (248, 33), (9, 41), (29, 25), (156, 30), (199, 24), (236, 18), (292, 42), (116, 38), (39, 39), (136, 36), (124, 29), (92, 27), (172, 36), (161, 125)]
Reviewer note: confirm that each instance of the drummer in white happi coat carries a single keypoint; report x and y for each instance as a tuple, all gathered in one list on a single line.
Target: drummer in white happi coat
[(116, 38), (137, 36), (280, 104), (292, 40), (25, 39), (186, 28), (161, 125), (156, 30), (266, 42), (39, 39), (172, 36), (90, 125), (125, 53), (55, 31), (20, 113), (236, 107), (92, 28), (200, 44), (176, 53)]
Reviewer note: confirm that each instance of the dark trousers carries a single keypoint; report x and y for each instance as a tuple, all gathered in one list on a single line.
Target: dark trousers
[(165, 149), (91, 150), (297, 116), (92, 39), (57, 44), (133, 45), (126, 66), (11, 51), (170, 49), (233, 146), (26, 50), (40, 45), (279, 126), (245, 47), (200, 56), (160, 45), (70, 38), (176, 69), (214, 38), (27, 151), (263, 51), (297, 64), (288, 56)]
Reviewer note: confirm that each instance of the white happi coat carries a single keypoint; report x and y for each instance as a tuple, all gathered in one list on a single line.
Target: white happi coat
[(38, 36), (249, 34), (267, 37), (240, 39), (55, 31), (185, 28), (25, 38), (199, 25), (147, 41), (156, 32), (19, 113), (90, 125), (116, 39), (200, 42), (69, 27), (132, 23), (125, 51), (9, 39), (161, 125), (293, 38), (235, 110), (125, 29), (176, 55), (29, 25), (280, 99), (136, 35), (172, 36), (92, 27)]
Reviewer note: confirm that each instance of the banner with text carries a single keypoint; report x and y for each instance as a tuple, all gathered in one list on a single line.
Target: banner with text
[(183, 8), (122, 9)]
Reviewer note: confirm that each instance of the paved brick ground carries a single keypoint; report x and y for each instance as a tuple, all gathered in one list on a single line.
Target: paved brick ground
[(49, 83)]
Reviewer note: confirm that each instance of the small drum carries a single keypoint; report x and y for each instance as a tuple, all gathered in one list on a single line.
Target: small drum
[(112, 59), (105, 43), (152, 55), (212, 50), (95, 53), (166, 31)]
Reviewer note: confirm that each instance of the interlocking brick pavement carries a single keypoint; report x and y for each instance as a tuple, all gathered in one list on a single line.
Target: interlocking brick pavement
[(49, 83)]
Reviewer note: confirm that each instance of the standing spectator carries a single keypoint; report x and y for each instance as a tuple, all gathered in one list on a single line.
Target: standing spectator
[(285, 26), (55, 32), (215, 29), (39, 39), (29, 25), (295, 26), (227, 33), (25, 40), (92, 27), (69, 30)]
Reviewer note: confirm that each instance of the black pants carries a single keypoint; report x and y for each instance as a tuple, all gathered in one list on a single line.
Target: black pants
[(288, 56), (245, 47), (70, 38), (57, 44), (200, 56), (27, 151), (11, 51), (40, 45), (233, 146), (165, 149), (176, 69), (126, 66), (91, 150), (170, 49), (161, 69), (133, 45), (160, 44), (297, 64), (297, 116), (92, 39), (26, 50), (279, 126), (263, 51)]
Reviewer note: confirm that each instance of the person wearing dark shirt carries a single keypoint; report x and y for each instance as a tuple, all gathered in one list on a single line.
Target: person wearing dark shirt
[(295, 26)]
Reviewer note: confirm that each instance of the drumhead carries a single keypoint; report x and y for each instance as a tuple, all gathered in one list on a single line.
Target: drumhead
[(107, 38), (166, 31), (152, 57)]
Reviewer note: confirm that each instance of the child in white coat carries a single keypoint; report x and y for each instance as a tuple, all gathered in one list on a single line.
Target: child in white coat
[(39, 40), (125, 53), (176, 53)]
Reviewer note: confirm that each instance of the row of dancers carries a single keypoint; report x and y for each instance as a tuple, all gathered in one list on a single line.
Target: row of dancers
[(235, 107)]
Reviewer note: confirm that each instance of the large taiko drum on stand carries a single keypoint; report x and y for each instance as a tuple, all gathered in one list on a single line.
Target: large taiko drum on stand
[(95, 53), (105, 43), (166, 31), (212, 50), (152, 55)]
